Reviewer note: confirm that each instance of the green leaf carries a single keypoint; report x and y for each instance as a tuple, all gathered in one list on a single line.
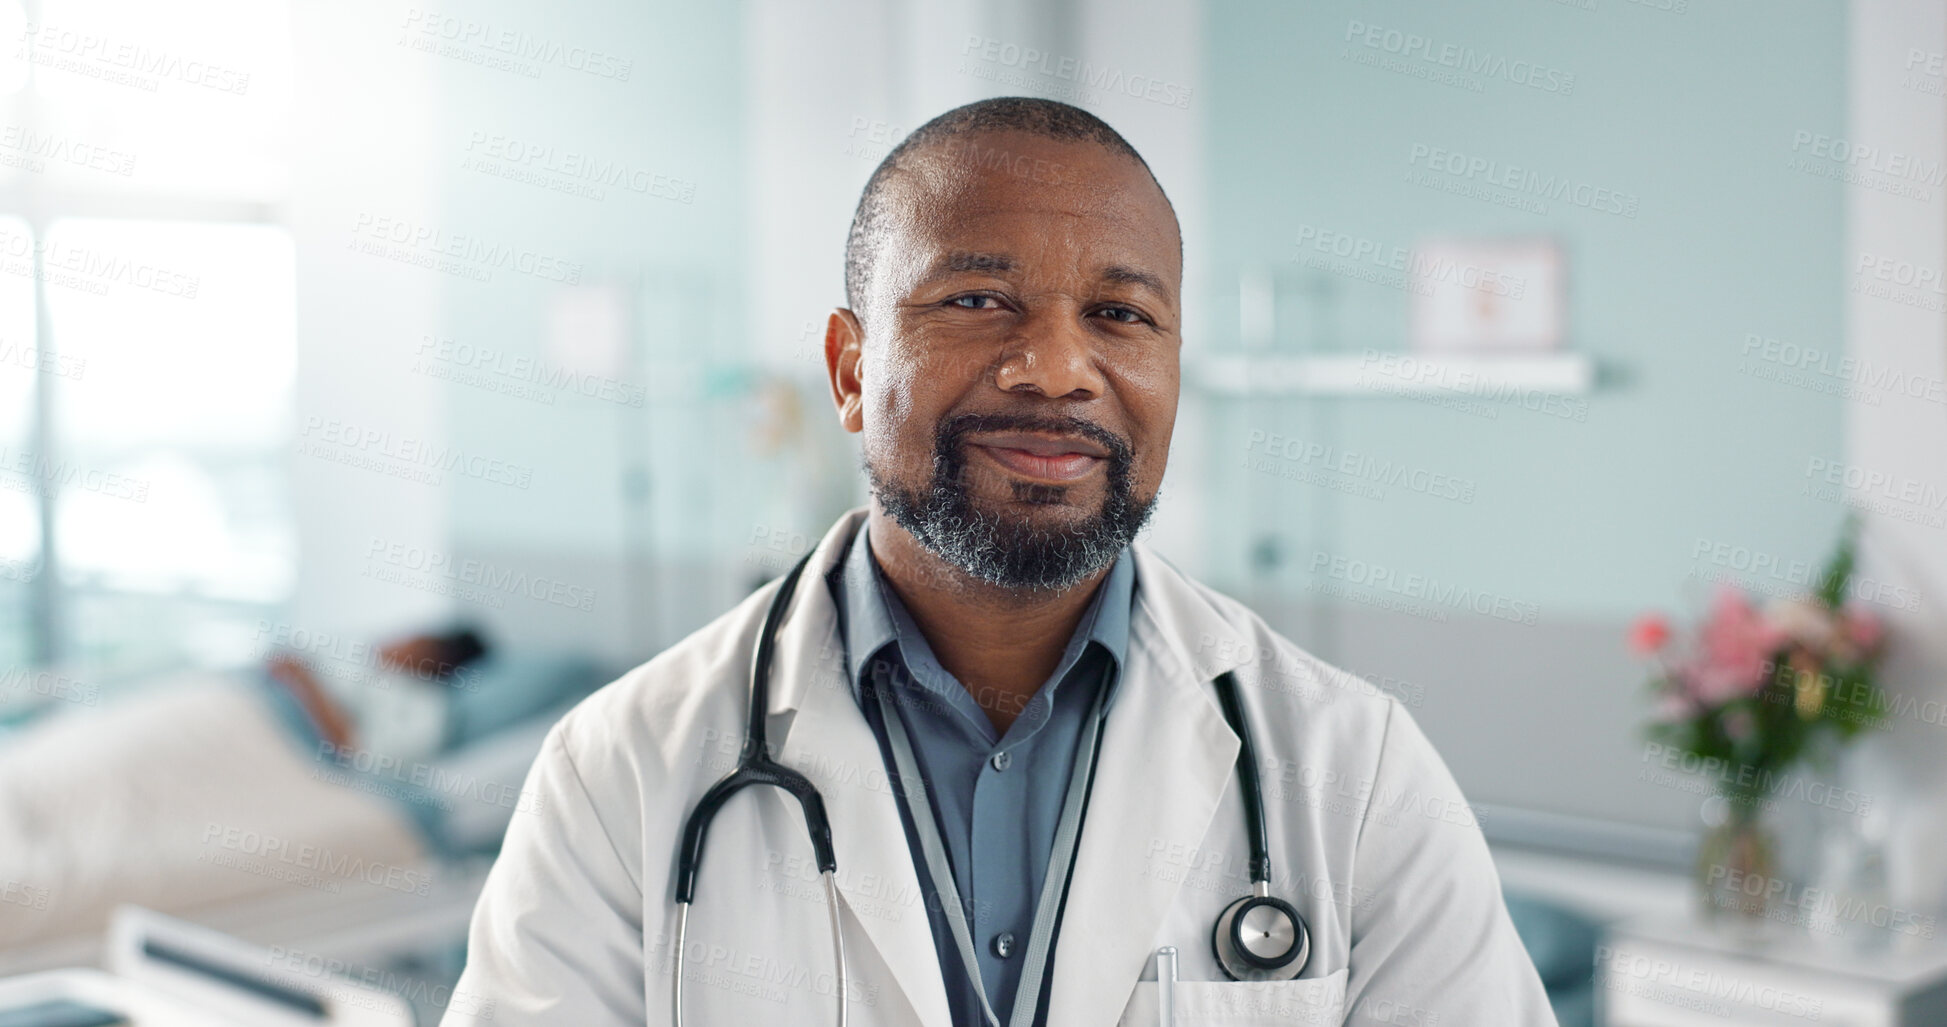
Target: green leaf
[(1837, 575)]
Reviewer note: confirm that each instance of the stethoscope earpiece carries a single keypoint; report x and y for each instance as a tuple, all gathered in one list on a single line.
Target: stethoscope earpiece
[(1261, 938)]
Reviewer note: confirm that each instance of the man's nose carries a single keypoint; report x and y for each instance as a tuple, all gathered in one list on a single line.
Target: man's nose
[(1052, 353)]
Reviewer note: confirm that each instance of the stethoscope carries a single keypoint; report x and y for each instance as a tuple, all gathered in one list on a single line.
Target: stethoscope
[(1257, 938)]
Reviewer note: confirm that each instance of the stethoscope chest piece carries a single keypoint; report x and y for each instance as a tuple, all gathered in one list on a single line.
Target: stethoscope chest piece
[(1261, 938), (1258, 937)]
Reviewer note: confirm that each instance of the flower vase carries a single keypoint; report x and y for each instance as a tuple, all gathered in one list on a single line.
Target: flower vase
[(1737, 865)]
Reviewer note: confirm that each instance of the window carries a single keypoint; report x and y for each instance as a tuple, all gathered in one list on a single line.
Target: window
[(147, 329), (20, 530)]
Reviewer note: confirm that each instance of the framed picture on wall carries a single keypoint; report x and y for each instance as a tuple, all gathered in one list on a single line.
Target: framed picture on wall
[(1488, 295)]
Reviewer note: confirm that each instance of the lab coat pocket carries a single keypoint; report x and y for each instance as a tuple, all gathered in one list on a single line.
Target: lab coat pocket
[(1313, 1000)]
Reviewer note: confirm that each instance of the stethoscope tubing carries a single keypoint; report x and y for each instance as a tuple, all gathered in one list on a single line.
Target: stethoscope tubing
[(756, 767), (838, 948), (1248, 781), (754, 763)]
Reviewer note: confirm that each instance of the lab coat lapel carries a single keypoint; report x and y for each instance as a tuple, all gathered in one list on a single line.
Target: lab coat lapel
[(1167, 757), (826, 737)]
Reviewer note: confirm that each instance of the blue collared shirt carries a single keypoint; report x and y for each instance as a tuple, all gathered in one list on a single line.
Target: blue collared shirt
[(997, 797)]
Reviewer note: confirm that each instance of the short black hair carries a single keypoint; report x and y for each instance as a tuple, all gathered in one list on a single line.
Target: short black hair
[(1050, 119), (462, 646)]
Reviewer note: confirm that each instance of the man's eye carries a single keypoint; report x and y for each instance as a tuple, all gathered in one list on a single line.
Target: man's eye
[(971, 302), (1117, 313)]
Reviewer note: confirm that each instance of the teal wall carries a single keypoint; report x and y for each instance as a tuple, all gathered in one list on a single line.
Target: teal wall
[(603, 471), (1695, 113)]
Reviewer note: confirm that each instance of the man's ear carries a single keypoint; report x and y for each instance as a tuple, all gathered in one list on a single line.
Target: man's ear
[(844, 344)]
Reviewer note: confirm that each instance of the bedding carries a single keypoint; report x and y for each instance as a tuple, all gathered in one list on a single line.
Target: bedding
[(186, 793)]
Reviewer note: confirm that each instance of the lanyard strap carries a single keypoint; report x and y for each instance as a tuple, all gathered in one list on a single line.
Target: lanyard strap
[(1027, 993)]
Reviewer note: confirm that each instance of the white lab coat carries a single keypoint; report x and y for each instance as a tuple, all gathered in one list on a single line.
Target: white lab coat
[(1372, 840)]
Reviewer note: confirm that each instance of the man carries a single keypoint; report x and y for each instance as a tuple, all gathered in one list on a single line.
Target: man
[(1009, 357)]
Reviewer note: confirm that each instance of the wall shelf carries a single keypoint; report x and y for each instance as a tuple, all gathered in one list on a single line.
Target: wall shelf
[(1382, 374)]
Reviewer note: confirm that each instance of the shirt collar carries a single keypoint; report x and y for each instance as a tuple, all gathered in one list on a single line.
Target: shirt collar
[(871, 616)]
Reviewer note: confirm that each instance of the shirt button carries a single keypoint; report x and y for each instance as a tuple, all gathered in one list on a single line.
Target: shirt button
[(1003, 760), (1004, 944)]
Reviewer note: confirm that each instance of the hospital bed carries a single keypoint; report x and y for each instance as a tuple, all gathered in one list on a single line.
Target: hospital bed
[(411, 939), (163, 972)]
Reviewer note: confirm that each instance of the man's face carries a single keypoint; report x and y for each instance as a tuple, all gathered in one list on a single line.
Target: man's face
[(1016, 383)]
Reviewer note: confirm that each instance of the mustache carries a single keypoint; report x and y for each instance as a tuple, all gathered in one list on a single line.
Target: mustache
[(1017, 555), (951, 434)]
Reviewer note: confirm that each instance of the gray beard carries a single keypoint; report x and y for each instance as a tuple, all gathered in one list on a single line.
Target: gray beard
[(1011, 554)]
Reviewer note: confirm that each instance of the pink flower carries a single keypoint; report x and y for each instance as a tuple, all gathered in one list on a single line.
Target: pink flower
[(1807, 621), (1861, 628), (1671, 706), (1736, 646), (1649, 634)]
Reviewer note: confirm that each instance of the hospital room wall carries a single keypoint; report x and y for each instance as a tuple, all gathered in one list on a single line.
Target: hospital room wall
[(615, 528), (735, 464), (1581, 520), (467, 390), (594, 372), (1905, 438), (348, 371), (816, 128)]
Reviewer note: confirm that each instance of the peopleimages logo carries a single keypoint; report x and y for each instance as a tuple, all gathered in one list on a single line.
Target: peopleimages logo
[(1411, 46), (435, 566), (1523, 181), (1812, 906), (122, 61), (465, 256), (441, 781), (346, 442), (333, 971), (254, 851), (21, 146), (20, 893), (577, 171), (1389, 371), (1108, 78), (1622, 968), (1857, 478), (1789, 578), (1362, 466), (88, 269), (1441, 594), (1420, 271), (425, 28), (516, 368), (1835, 364), (1761, 780), (36, 474), (1864, 157)]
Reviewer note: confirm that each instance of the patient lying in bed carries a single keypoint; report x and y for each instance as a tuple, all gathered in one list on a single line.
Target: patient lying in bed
[(210, 786), (396, 708)]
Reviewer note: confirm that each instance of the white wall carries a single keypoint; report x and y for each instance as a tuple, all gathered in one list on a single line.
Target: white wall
[(1899, 108), (832, 88), (363, 109), (1161, 39)]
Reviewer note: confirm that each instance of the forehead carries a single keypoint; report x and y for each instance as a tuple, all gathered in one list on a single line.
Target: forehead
[(1073, 202)]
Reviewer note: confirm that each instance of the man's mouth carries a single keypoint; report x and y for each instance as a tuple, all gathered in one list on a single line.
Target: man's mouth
[(1048, 458)]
